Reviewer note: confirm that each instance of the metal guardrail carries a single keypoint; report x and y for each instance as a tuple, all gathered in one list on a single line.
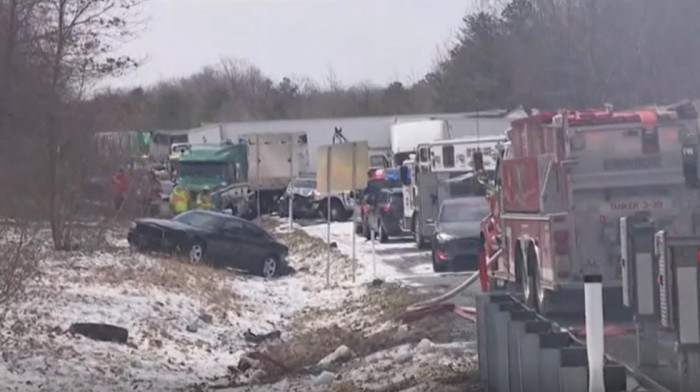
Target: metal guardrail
[(520, 351)]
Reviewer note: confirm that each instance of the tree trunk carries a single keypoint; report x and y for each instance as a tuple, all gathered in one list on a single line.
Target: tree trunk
[(57, 224)]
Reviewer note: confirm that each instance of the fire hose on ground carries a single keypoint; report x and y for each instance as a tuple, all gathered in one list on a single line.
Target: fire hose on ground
[(436, 305)]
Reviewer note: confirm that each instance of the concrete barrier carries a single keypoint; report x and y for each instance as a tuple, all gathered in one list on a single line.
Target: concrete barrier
[(521, 352)]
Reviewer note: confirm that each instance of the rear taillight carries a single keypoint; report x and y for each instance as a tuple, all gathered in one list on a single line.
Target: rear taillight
[(561, 242), (386, 208)]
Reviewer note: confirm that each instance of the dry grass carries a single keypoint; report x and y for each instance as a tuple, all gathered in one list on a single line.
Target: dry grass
[(214, 286), (304, 350)]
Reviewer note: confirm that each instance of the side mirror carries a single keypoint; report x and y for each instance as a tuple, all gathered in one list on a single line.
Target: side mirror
[(405, 175)]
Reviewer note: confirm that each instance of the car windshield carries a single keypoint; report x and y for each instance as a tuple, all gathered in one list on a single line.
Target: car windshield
[(463, 212), (304, 183), (198, 219), (202, 169)]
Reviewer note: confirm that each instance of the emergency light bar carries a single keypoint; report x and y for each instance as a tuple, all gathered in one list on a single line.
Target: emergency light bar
[(383, 174)]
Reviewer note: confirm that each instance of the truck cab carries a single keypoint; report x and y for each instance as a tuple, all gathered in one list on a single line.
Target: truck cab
[(215, 166), (443, 170)]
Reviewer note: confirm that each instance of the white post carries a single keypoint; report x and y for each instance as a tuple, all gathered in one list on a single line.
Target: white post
[(291, 178), (328, 216), (257, 175), (374, 255), (595, 344), (354, 186), (291, 212)]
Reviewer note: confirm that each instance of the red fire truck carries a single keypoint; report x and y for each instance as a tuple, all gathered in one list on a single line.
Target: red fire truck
[(567, 178)]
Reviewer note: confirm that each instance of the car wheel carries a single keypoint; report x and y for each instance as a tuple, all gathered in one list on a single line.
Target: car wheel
[(196, 252), (383, 236), (337, 211), (438, 267), (269, 267)]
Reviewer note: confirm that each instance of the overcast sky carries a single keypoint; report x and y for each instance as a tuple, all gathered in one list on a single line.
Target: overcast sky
[(359, 40)]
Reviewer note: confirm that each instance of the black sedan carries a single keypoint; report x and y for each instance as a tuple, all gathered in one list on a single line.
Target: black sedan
[(223, 240), (456, 239)]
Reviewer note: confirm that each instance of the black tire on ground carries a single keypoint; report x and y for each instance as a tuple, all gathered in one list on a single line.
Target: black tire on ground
[(438, 267), (196, 252), (282, 210), (270, 266), (418, 236)]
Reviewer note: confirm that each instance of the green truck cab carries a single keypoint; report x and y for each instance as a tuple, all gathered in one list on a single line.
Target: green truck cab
[(222, 168)]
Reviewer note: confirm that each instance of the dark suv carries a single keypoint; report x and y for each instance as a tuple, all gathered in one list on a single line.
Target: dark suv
[(365, 198), (385, 213)]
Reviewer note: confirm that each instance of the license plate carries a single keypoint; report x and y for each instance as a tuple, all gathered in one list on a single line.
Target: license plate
[(638, 205)]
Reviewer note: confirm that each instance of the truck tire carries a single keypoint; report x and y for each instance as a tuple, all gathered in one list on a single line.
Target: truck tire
[(282, 210), (528, 289), (337, 210), (420, 241), (543, 297)]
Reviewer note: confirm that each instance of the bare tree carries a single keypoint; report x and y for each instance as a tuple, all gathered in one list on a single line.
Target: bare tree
[(74, 42)]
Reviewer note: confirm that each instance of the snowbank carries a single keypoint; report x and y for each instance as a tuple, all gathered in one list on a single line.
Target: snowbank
[(155, 298)]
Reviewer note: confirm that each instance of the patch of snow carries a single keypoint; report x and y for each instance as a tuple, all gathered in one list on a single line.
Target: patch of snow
[(391, 260)]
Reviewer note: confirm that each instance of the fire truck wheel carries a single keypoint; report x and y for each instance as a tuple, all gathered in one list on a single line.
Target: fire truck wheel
[(542, 296), (528, 288)]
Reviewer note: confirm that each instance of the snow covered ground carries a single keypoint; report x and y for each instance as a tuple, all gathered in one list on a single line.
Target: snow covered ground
[(399, 260), (396, 259), (157, 299)]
